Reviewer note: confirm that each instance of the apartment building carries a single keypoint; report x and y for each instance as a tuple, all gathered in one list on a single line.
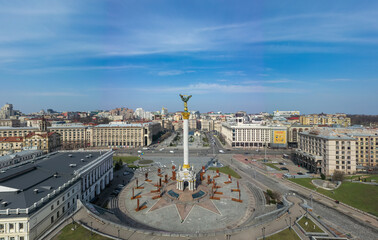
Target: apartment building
[(325, 119), (35, 197), (254, 135), (366, 144), (104, 135), (323, 150)]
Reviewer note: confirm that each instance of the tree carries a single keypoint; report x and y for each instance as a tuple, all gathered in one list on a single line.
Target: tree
[(323, 176), (338, 176)]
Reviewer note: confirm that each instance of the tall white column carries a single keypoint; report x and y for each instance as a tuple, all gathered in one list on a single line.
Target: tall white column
[(186, 145)]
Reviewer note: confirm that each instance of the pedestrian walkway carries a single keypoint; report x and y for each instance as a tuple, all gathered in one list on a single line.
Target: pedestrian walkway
[(117, 232)]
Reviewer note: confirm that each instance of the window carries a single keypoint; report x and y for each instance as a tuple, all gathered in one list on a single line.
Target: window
[(52, 219), (57, 215), (2, 229), (52, 207), (57, 203), (63, 209), (11, 227), (21, 227)]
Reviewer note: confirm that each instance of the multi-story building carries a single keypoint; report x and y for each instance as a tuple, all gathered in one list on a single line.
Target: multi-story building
[(124, 135), (6, 111), (11, 159), (10, 123), (207, 125), (254, 135), (325, 119), (41, 139), (35, 197), (292, 133), (105, 135), (323, 150), (286, 113), (366, 144), (73, 136)]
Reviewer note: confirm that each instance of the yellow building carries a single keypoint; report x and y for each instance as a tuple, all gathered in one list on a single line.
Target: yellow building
[(325, 119)]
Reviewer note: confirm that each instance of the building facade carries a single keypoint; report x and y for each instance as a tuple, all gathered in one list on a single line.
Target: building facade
[(325, 119), (37, 197), (254, 135), (80, 136), (325, 151)]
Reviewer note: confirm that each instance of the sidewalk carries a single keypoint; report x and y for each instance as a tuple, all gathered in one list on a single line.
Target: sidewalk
[(252, 233)]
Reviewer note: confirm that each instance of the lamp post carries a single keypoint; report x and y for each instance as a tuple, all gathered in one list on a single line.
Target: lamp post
[(290, 222), (91, 229), (263, 232)]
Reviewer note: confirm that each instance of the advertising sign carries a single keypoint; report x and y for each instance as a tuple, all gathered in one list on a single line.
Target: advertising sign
[(279, 137)]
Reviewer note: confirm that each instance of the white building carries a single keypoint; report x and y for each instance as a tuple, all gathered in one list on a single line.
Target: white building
[(254, 135), (37, 196), (286, 113)]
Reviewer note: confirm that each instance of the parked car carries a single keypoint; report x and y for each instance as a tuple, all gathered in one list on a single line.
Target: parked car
[(283, 168), (221, 151), (300, 173)]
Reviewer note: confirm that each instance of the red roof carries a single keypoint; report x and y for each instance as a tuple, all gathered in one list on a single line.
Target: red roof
[(293, 118), (11, 139)]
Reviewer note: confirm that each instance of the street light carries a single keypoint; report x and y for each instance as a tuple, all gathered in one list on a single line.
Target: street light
[(263, 232)]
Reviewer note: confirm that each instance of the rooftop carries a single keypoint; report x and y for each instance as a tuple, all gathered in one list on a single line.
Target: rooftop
[(21, 154), (18, 185)]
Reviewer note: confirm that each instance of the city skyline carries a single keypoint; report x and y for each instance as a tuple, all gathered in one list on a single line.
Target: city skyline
[(247, 55)]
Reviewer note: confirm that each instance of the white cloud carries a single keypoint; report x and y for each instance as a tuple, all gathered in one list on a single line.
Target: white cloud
[(54, 94), (203, 88), (339, 80), (173, 72), (233, 73)]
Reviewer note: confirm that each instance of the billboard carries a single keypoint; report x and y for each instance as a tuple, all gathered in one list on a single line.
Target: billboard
[(279, 137)]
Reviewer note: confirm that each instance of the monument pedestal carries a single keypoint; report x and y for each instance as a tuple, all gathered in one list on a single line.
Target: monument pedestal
[(186, 175)]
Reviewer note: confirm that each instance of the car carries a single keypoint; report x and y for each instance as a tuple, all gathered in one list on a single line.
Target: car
[(161, 149), (171, 151), (145, 148), (300, 173), (126, 173), (139, 151), (221, 151), (120, 186), (280, 163), (285, 169)]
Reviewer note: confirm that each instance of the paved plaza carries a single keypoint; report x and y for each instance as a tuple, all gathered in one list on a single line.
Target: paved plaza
[(186, 215)]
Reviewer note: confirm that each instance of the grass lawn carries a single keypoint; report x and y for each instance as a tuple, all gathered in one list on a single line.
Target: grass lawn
[(226, 170), (273, 166), (311, 226), (145, 161), (78, 233), (286, 234), (126, 159), (358, 195)]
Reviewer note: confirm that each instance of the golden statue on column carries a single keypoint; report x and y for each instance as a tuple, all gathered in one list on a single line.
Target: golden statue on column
[(186, 173)]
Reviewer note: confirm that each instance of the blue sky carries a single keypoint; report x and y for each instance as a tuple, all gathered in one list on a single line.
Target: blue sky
[(312, 56)]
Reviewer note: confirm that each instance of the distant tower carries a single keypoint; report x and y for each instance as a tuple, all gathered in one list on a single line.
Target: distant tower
[(43, 125)]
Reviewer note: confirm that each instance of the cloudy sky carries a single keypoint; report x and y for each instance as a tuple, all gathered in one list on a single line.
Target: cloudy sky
[(312, 56)]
